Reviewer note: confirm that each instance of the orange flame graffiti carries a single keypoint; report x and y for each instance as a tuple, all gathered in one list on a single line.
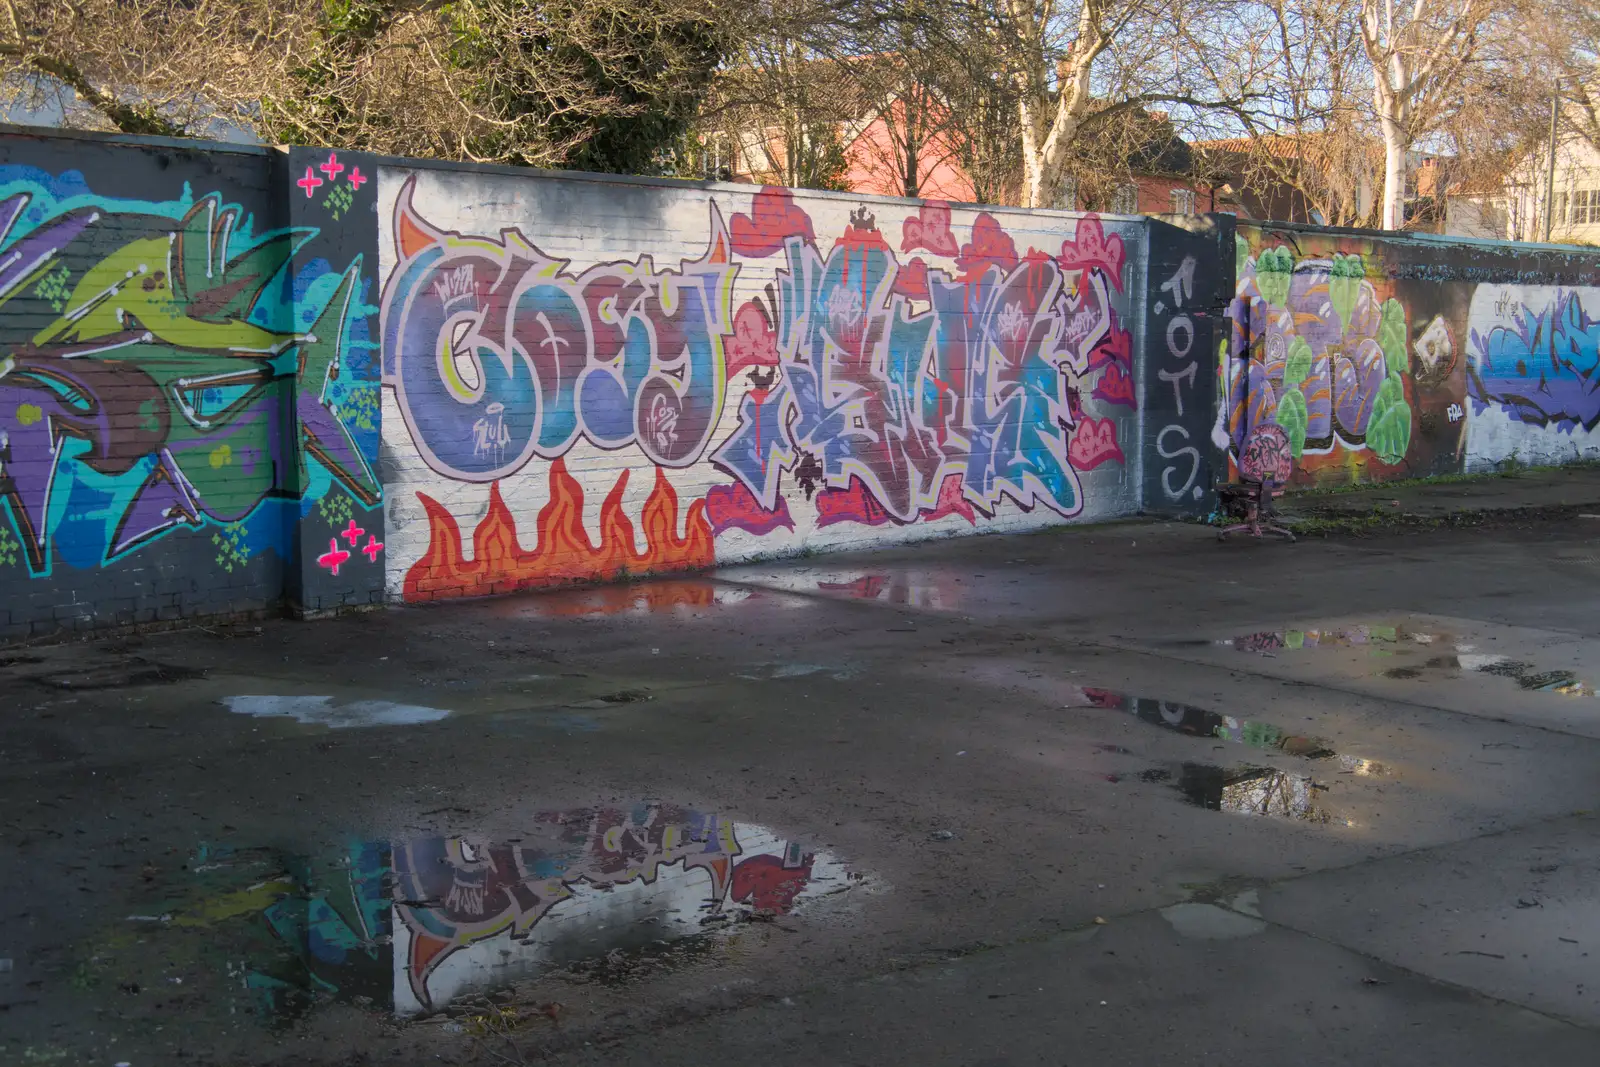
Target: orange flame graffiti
[(564, 553)]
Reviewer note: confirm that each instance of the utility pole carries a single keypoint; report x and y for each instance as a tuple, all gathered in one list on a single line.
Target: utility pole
[(1550, 172)]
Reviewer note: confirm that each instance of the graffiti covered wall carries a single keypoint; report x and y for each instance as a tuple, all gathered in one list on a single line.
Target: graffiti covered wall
[(1388, 357), (156, 314), (585, 379), (233, 379)]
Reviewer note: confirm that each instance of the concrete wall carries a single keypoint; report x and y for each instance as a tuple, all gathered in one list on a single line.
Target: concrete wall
[(170, 332), (587, 378), (1388, 356), (240, 380)]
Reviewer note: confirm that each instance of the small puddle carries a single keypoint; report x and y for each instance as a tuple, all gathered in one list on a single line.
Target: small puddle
[(1200, 722), (919, 587), (1255, 791), (408, 926), (1526, 675), (322, 711), (1210, 922), (761, 672)]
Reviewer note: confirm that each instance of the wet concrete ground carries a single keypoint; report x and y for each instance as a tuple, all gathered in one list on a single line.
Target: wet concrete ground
[(1110, 795)]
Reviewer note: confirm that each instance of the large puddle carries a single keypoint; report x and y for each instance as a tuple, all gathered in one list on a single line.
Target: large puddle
[(408, 926)]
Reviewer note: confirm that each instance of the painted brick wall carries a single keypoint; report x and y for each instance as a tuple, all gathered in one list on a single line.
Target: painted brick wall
[(157, 308), (585, 378), (1386, 356)]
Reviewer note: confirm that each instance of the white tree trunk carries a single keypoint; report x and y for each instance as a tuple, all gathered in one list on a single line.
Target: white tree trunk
[(1048, 131), (1395, 150)]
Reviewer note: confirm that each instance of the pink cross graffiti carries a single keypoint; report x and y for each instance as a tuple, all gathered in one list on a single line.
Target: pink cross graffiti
[(356, 178), (309, 183), (332, 558), (372, 548), (352, 533), (332, 168)]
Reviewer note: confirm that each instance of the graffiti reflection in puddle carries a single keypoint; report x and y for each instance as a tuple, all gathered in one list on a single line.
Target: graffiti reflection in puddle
[(1375, 637), (936, 590), (1384, 640), (411, 925), (1527, 676), (667, 596), (1200, 722)]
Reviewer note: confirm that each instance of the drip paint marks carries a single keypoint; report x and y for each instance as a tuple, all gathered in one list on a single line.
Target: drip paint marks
[(588, 381), (1385, 359), (149, 357)]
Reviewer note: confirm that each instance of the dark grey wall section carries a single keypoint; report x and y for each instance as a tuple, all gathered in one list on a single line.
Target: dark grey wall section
[(333, 198), (1188, 283), (141, 469), (189, 409)]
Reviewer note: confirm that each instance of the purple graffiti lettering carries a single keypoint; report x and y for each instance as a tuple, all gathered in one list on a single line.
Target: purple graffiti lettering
[(496, 354)]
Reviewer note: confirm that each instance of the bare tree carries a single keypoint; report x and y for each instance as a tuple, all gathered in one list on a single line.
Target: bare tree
[(1307, 146), (1420, 54), (599, 84), (1078, 63), (783, 100), (905, 61), (1558, 54), (169, 67)]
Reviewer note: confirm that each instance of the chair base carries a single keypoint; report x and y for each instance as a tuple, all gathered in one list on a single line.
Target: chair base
[(1255, 528)]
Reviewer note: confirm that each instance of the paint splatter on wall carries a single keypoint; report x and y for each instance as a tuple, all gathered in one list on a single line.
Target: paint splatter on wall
[(722, 376)]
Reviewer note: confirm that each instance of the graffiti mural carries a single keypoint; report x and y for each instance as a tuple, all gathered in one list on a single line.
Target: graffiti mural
[(1318, 350), (497, 354), (148, 357), (740, 388), (856, 392), (1532, 357), (1398, 357)]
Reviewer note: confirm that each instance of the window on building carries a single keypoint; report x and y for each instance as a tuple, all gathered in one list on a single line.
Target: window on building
[(1584, 208), (1497, 217), (1183, 201), (1125, 201)]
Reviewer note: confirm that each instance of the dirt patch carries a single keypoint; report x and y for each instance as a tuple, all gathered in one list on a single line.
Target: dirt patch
[(129, 672)]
